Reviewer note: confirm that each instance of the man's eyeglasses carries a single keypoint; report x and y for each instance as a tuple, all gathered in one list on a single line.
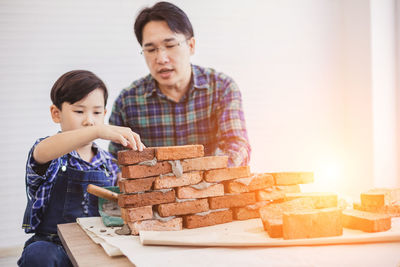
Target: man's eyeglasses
[(169, 47)]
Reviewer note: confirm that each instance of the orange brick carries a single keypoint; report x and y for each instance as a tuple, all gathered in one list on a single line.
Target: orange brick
[(179, 152), (136, 214), (289, 178), (231, 201), (141, 171), (366, 221), (312, 223), (391, 210), (249, 184), (182, 208), (136, 185), (380, 197), (169, 181), (211, 218), (145, 199), (128, 157), (219, 175), (174, 224), (188, 192), (271, 215), (321, 200), (276, 193), (204, 163)]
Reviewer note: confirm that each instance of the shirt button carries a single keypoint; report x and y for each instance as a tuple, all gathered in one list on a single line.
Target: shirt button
[(63, 168)]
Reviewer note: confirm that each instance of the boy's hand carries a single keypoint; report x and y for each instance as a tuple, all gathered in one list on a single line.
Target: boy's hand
[(122, 135)]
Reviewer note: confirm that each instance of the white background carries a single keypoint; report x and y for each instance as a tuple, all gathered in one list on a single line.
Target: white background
[(319, 80)]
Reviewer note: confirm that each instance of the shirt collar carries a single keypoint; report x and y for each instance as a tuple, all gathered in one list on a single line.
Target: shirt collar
[(198, 81), (99, 158)]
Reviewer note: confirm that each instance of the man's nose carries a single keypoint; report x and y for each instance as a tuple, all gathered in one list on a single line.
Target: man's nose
[(162, 55)]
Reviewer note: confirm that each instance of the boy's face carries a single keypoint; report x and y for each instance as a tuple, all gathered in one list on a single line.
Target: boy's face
[(88, 111)]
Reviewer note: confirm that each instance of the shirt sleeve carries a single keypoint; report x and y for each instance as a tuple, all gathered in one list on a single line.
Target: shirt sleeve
[(117, 118), (39, 181), (232, 133)]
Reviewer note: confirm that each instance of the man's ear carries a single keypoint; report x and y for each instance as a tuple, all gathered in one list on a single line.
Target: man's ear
[(192, 45), (55, 113)]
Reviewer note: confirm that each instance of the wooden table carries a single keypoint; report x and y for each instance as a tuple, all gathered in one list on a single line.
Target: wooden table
[(82, 251)]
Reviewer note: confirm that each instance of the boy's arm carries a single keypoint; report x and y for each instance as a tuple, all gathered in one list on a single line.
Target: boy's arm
[(62, 143)]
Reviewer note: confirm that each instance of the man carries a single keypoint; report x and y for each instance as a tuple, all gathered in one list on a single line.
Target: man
[(179, 103)]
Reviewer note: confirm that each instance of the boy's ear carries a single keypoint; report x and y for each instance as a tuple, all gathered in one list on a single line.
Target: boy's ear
[(105, 111), (55, 113)]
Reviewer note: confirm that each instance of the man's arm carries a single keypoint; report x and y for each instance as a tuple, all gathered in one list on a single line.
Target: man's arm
[(62, 143), (232, 133)]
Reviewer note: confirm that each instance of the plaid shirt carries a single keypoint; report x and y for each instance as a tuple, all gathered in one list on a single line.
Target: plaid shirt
[(210, 113), (41, 178)]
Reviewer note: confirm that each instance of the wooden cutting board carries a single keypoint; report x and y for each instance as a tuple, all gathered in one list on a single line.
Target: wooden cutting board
[(251, 233)]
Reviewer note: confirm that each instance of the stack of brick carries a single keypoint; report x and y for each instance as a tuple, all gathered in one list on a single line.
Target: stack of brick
[(374, 212)]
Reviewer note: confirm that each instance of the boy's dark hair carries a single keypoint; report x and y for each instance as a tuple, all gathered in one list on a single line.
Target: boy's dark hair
[(176, 19), (74, 86)]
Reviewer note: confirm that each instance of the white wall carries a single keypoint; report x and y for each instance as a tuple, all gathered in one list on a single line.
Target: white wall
[(306, 71)]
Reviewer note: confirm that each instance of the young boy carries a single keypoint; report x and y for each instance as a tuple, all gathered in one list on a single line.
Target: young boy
[(60, 167)]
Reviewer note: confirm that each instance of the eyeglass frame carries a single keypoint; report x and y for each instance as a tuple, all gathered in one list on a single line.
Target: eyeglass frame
[(162, 47)]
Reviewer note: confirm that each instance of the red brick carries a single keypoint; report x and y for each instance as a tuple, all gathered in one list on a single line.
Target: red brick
[(188, 192), (231, 201), (182, 208), (137, 214), (289, 178), (212, 218), (249, 184), (204, 163), (141, 171), (174, 224), (136, 185), (145, 199), (276, 193), (179, 152), (128, 157), (219, 175), (169, 181), (248, 212)]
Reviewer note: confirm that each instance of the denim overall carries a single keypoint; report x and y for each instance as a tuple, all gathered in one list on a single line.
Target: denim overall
[(68, 201)]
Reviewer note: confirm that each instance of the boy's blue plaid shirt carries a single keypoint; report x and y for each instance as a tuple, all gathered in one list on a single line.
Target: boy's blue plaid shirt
[(210, 114), (41, 178)]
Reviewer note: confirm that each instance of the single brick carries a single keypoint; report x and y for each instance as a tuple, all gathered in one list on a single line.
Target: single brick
[(179, 152), (380, 197), (182, 208), (391, 210), (208, 219), (136, 185), (145, 199), (276, 193), (249, 211), (213, 176), (249, 184), (174, 224), (321, 200), (290, 178), (136, 214), (170, 181), (312, 223), (271, 215), (232, 201), (366, 221), (141, 171), (192, 192), (204, 163), (129, 157)]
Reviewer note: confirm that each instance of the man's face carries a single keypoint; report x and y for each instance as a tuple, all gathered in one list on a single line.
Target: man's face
[(167, 54)]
